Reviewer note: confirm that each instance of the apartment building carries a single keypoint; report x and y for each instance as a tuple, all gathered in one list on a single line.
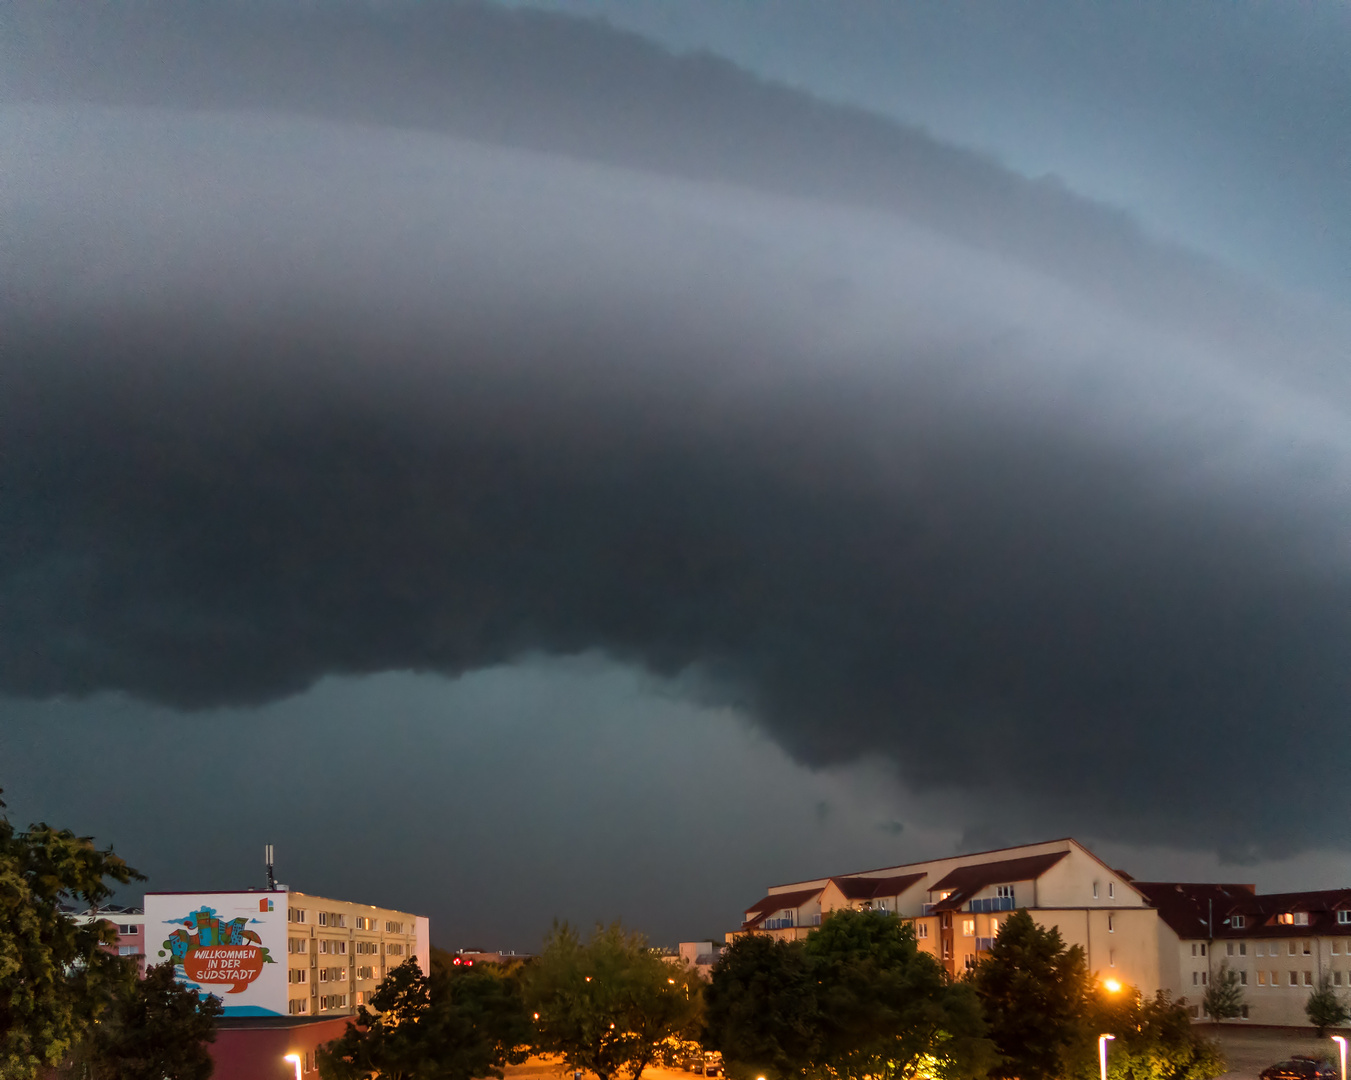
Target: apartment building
[(281, 953), (1280, 944), (129, 922), (957, 904)]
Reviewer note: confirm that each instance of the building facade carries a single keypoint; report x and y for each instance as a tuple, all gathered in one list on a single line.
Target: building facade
[(957, 904), (1281, 945), (128, 922), (280, 953)]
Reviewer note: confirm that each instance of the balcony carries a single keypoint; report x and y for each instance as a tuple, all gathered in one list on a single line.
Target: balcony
[(778, 924), (992, 903)]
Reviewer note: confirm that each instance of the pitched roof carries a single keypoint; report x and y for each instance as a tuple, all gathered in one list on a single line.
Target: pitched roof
[(765, 907), (866, 888), (1202, 910), (962, 881)]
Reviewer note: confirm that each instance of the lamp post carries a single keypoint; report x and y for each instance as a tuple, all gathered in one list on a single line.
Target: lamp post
[(1102, 1054), (1340, 1040), (294, 1059)]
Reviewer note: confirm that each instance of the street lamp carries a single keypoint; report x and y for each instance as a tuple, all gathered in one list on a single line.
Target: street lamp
[(1102, 1054), (1340, 1040), (294, 1059), (1112, 986)]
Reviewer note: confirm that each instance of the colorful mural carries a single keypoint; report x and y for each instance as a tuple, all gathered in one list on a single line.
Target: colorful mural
[(216, 954)]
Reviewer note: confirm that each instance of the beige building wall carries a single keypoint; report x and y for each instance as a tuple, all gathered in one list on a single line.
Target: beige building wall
[(338, 951)]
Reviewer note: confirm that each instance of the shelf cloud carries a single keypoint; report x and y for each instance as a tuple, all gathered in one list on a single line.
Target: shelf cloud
[(1052, 518)]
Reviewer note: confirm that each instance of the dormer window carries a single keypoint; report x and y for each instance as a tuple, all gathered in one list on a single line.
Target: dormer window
[(1301, 918), (1343, 918), (1004, 892), (1286, 918), (1237, 922), (943, 896)]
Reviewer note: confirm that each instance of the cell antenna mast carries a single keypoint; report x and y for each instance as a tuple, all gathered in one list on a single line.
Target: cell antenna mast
[(267, 858)]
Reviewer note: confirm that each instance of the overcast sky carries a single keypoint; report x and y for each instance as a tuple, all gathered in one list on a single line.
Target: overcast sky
[(520, 471)]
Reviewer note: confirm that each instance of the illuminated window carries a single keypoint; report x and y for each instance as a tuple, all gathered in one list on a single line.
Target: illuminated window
[(921, 930), (1261, 978), (968, 928)]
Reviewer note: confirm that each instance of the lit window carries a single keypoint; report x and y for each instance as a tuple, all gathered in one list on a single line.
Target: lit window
[(921, 930), (968, 928), (1261, 978)]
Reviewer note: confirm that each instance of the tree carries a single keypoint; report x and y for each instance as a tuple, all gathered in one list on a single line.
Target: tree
[(56, 979), (888, 1010), (1035, 993), (1154, 1040), (156, 1028), (451, 1025), (761, 1009), (608, 1004), (1325, 1007), (1223, 998)]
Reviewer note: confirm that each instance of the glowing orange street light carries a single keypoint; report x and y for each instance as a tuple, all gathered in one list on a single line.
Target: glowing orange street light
[(294, 1059), (1340, 1040), (1113, 986)]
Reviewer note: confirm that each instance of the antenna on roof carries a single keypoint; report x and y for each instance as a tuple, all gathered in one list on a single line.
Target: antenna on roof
[(267, 859)]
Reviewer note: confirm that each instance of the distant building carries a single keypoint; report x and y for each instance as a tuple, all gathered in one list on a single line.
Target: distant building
[(289, 968), (1280, 944), (1151, 935), (700, 955), (957, 904), (129, 922), (470, 957)]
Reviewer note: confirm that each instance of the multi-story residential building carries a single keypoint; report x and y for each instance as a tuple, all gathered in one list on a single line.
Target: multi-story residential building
[(957, 904), (1153, 935), (1280, 944), (129, 922)]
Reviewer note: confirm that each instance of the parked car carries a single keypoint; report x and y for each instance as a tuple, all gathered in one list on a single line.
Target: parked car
[(1301, 1068)]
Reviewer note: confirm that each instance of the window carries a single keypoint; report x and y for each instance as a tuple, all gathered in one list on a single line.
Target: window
[(323, 974), (1259, 948), (1111, 958), (1306, 945), (1274, 980), (297, 975), (969, 962), (943, 896), (1095, 890), (968, 928), (126, 928), (1193, 948), (1294, 978), (323, 918), (1004, 892), (1291, 948), (295, 914), (945, 921), (1245, 1012), (1301, 918), (1334, 946), (394, 950), (1243, 978), (1336, 978), (363, 923), (1193, 1011), (365, 973), (297, 945), (1308, 978), (1203, 948), (1242, 948), (921, 930), (1238, 922), (298, 1005), (128, 950), (397, 928), (1111, 890), (1261, 978), (1111, 924), (1205, 978), (361, 997), (1344, 918), (342, 921), (1228, 948), (947, 951)]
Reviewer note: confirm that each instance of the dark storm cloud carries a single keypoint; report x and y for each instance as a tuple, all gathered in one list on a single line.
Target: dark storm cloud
[(1056, 520)]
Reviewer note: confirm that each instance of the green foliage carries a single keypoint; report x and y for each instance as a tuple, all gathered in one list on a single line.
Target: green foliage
[(762, 1010), (1036, 995), (455, 1024), (156, 1027), (855, 999), (1154, 1040), (607, 1005), (1325, 1007), (1223, 998), (55, 980)]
